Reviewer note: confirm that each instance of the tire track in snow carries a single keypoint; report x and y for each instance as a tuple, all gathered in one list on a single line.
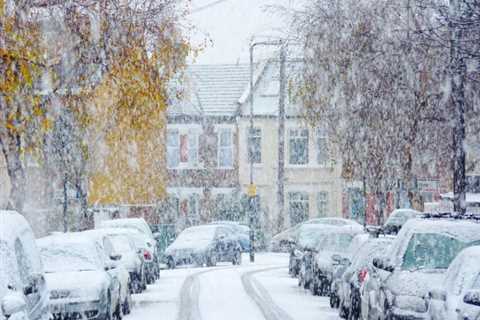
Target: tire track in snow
[(260, 295), (189, 308)]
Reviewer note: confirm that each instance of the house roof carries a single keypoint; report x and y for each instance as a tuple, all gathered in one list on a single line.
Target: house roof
[(213, 90)]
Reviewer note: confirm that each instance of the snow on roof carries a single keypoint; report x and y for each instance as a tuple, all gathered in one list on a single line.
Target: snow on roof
[(214, 90), (467, 230), (11, 225)]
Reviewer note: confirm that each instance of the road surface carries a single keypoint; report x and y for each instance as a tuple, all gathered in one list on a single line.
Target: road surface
[(259, 291)]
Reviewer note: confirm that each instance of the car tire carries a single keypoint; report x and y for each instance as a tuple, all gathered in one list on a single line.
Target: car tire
[(211, 260), (237, 258), (126, 305), (170, 263), (108, 312)]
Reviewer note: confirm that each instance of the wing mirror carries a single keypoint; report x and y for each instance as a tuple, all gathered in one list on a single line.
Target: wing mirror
[(13, 303), (438, 294), (383, 264), (109, 265), (472, 297), (116, 257)]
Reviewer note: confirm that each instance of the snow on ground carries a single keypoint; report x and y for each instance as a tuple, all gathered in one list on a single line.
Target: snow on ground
[(262, 290)]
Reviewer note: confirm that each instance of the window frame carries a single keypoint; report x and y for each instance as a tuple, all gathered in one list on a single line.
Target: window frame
[(221, 130), (320, 133), (294, 136), (304, 201), (322, 203), (257, 134)]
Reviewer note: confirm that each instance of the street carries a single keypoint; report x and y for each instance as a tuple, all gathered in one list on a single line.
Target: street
[(250, 291)]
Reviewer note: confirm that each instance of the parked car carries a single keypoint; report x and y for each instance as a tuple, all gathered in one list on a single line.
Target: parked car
[(152, 254), (334, 248), (123, 242), (307, 244), (207, 244), (356, 273), (164, 235), (397, 219), (242, 232), (418, 259), (71, 259), (23, 290), (341, 266), (282, 242), (458, 298)]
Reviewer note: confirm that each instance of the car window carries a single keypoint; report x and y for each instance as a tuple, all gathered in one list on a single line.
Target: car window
[(70, 257), (431, 251)]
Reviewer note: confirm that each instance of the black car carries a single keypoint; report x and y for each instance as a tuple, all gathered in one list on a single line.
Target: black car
[(204, 245)]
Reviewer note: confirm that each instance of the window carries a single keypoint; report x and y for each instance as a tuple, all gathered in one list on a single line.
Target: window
[(298, 146), (322, 147), (298, 207), (173, 149), (254, 145), (322, 204), (182, 149), (225, 148)]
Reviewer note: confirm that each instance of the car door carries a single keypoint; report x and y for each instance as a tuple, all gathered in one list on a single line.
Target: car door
[(31, 276)]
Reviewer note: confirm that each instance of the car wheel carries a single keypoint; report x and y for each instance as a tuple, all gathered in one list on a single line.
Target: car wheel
[(333, 300), (126, 305), (108, 312), (170, 263), (211, 260), (237, 258), (118, 311)]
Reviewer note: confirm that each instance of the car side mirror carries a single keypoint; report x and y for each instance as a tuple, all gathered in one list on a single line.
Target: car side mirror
[(109, 265), (472, 297), (437, 294), (116, 257), (337, 258), (345, 262), (383, 264), (13, 303)]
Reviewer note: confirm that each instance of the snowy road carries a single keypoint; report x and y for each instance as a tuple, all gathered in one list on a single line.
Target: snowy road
[(263, 290)]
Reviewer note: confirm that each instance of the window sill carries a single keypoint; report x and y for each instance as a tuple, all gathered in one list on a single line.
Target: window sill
[(308, 166), (187, 168)]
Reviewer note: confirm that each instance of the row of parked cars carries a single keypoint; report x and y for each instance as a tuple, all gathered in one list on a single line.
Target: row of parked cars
[(89, 275), (426, 267)]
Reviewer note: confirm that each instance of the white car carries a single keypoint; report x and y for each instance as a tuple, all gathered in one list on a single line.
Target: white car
[(140, 225), (124, 242), (23, 290), (119, 271), (459, 297), (69, 260)]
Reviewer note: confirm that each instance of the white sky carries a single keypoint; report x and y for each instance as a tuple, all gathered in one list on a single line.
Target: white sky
[(230, 24)]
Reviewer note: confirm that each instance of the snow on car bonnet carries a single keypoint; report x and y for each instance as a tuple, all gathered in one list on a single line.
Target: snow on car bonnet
[(195, 237)]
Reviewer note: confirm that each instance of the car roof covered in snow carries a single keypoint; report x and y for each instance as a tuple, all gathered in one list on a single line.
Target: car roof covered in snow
[(12, 224), (462, 229), (132, 223)]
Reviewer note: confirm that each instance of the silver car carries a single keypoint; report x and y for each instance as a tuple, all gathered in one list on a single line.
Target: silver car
[(459, 296), (419, 258)]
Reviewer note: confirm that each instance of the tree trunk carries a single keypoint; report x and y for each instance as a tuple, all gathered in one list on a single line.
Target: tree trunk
[(11, 148)]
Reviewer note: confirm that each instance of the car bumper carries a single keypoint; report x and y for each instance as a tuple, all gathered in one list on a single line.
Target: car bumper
[(77, 309), (400, 314)]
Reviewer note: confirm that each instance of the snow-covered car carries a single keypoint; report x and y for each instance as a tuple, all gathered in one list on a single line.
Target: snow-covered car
[(459, 296), (336, 290), (23, 290), (132, 258), (206, 244), (357, 272), (120, 272), (397, 219), (282, 242), (242, 232), (418, 260), (141, 226), (151, 254), (69, 261), (333, 249), (338, 222)]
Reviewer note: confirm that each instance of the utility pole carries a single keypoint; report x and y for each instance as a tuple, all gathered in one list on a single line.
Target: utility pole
[(281, 137), (252, 188)]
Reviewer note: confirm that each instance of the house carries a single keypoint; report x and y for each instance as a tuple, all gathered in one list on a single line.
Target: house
[(202, 146), (312, 177)]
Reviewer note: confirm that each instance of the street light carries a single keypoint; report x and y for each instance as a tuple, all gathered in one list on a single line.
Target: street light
[(252, 190)]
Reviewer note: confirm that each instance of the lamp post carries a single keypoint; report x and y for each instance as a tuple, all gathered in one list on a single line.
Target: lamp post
[(252, 189)]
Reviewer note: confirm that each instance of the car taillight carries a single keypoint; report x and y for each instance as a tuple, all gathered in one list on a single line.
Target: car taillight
[(362, 275), (147, 255)]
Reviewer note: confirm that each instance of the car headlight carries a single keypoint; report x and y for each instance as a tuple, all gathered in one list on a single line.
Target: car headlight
[(413, 303)]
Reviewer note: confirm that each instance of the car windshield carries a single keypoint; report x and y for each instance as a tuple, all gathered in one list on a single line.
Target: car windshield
[(336, 242), (431, 251), (69, 257), (368, 252), (309, 238), (120, 244)]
